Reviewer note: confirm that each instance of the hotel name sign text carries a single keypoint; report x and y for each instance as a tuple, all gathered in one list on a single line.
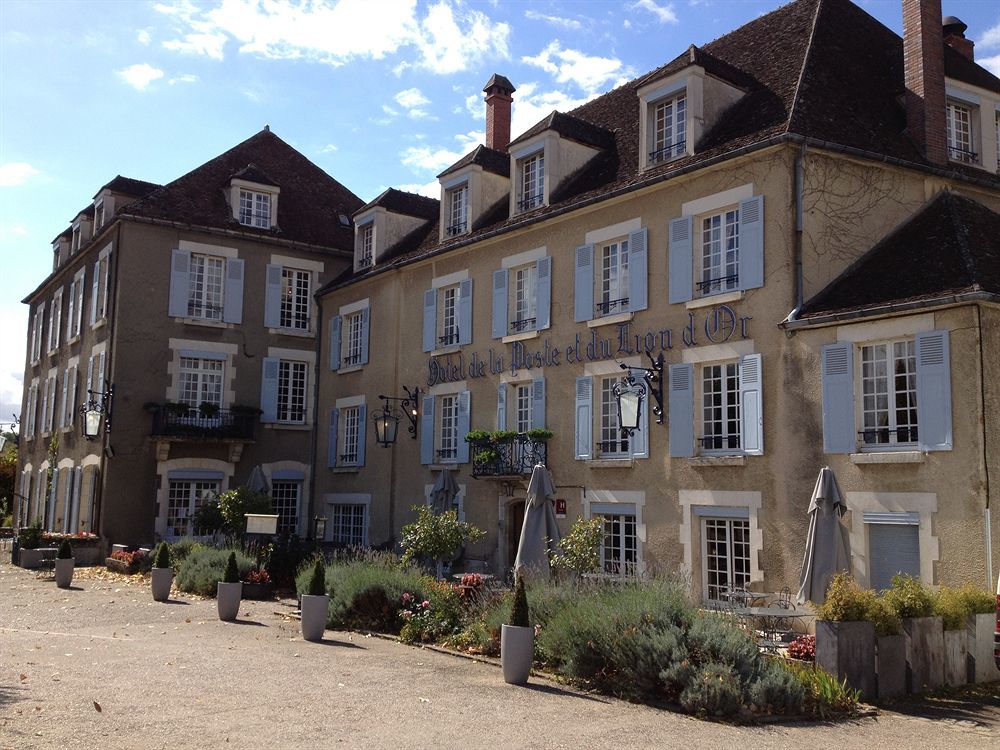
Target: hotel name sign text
[(720, 325)]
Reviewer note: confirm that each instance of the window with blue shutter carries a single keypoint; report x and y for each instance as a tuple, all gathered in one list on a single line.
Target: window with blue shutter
[(362, 424), (751, 405), (499, 327), (637, 273), (464, 420), (680, 274), (543, 305), (465, 312), (934, 391), (232, 304), (180, 269), (751, 260), (332, 437), (837, 374), (272, 296), (502, 406), (681, 405), (584, 417), (68, 501), (427, 430), (74, 521), (366, 318), (538, 403), (583, 297), (269, 390), (335, 325), (430, 320), (639, 440)]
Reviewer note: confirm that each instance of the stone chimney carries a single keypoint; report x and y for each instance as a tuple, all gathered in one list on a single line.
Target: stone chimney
[(954, 36), (923, 70), (498, 104)]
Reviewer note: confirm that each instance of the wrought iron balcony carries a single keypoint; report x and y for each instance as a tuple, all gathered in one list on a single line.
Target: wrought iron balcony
[(506, 459), (963, 155), (518, 326), (530, 201), (876, 435), (719, 284), (448, 339), (193, 423), (364, 261), (720, 442), (669, 151), (456, 229), (606, 308)]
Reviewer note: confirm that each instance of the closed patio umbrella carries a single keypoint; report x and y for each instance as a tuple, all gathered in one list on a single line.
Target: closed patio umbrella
[(444, 492), (539, 532), (828, 549), (257, 481)]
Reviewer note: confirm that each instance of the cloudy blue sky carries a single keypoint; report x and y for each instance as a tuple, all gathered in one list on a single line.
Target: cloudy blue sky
[(376, 92)]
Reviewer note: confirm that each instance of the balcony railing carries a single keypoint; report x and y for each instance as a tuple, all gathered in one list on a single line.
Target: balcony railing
[(492, 459), (529, 202), (719, 283), (669, 151), (455, 229), (448, 339), (606, 308), (720, 442), (876, 435), (962, 154), (224, 424), (527, 324)]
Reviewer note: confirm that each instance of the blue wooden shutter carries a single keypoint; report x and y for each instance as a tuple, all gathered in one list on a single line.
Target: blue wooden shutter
[(464, 420), (427, 430), (331, 440), (680, 277), (269, 390), (543, 299), (65, 400), (934, 391), (499, 303), (335, 325), (67, 501), (681, 402), (751, 261), (362, 425), (50, 514), (74, 521), (180, 285), (232, 310), (538, 403), (584, 417), (95, 290), (430, 319), (837, 372), (639, 440), (502, 406), (465, 312), (751, 404), (583, 295), (637, 272), (272, 296), (366, 317)]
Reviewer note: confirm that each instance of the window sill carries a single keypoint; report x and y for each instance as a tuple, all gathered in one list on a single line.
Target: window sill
[(889, 457), (291, 332), (345, 469), (52, 352), (73, 340), (104, 321), (716, 299), (447, 350), (610, 320), (610, 463), (705, 461), (352, 368), (285, 426), (440, 466), (519, 337), (204, 323)]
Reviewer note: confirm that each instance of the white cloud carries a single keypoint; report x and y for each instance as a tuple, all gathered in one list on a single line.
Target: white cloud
[(186, 78), (992, 64), (663, 13), (16, 173), (143, 36), (430, 159), (13, 232), (139, 76), (430, 189), (13, 329), (413, 101), (990, 38), (328, 149), (532, 105), (590, 72), (449, 38), (566, 23)]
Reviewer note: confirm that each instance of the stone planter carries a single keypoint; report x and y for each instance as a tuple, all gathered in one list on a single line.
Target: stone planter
[(314, 613), (33, 558), (956, 656), (847, 651), (517, 651), (160, 581), (981, 664), (890, 665), (228, 597), (924, 653), (64, 572)]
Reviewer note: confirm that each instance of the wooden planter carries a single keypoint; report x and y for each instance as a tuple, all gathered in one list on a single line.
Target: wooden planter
[(924, 653), (890, 663), (847, 651), (981, 666), (956, 656), (120, 566), (258, 591), (33, 558)]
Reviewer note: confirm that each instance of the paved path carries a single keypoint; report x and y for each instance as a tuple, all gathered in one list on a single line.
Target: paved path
[(173, 676)]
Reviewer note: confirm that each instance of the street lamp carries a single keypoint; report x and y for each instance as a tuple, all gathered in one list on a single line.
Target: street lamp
[(96, 410), (387, 420), (630, 393)]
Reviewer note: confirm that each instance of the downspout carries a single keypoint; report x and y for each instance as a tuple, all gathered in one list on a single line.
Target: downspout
[(311, 514), (799, 178), (986, 464)]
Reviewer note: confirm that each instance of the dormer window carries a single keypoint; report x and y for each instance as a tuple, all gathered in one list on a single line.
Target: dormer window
[(77, 241), (958, 122), (366, 247), (458, 210), (669, 128), (531, 181), (99, 215), (255, 209)]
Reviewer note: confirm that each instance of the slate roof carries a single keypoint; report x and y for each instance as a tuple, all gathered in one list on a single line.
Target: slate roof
[(950, 247), (570, 127), (308, 208), (489, 159), (253, 173), (129, 186), (819, 69), (402, 202)]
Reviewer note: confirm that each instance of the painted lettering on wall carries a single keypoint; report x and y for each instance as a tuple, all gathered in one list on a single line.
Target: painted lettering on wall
[(720, 325)]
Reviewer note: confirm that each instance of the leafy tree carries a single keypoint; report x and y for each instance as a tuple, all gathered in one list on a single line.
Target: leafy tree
[(438, 537), (8, 474), (580, 550), (235, 504)]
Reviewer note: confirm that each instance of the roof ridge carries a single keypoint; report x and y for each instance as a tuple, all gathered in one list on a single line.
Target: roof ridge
[(805, 65)]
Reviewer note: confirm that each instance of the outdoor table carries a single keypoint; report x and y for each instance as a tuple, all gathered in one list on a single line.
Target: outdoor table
[(772, 620)]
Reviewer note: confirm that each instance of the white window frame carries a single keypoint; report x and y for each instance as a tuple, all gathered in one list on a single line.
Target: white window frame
[(448, 316), (960, 131), (611, 443), (283, 523), (100, 288), (348, 427), (198, 492), (366, 245), (336, 524), (74, 318), (296, 296), (286, 396), (353, 338), (99, 215), (201, 373), (522, 405), (524, 298), (446, 435), (254, 208), (76, 239), (721, 444), (37, 329), (30, 421), (718, 259), (733, 577), (55, 320), (667, 142), (892, 430), (530, 181), (612, 278), (457, 210), (206, 296)]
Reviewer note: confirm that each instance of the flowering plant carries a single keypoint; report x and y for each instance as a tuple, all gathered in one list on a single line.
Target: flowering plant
[(258, 576), (472, 579), (131, 559), (803, 647)]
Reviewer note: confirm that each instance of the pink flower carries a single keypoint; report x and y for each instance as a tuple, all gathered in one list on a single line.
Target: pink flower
[(406, 597), (426, 604)]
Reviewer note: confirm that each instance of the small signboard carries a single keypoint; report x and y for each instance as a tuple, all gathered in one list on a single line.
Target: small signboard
[(261, 523), (560, 507)]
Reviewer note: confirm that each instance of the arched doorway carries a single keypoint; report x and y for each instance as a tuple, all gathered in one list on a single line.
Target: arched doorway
[(515, 519)]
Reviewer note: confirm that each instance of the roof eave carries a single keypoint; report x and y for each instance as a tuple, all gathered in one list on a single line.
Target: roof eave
[(888, 308)]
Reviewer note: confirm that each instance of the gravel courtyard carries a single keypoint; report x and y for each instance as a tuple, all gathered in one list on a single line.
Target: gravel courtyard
[(102, 665)]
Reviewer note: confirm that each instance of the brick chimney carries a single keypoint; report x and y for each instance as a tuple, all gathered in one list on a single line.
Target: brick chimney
[(498, 103), (954, 36), (923, 69)]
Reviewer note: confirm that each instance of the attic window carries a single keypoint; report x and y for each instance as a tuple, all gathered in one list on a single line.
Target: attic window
[(344, 221), (366, 245), (77, 241), (668, 128), (458, 210), (961, 142), (255, 209), (99, 214), (531, 181)]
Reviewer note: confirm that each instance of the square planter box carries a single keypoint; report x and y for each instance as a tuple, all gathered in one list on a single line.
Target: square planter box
[(33, 558), (847, 651), (956, 655), (980, 662), (891, 665), (924, 653), (258, 591), (120, 566)]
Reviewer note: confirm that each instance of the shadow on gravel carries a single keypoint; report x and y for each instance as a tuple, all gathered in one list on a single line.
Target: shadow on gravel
[(555, 690), (175, 601), (248, 622), (12, 694), (979, 704), (340, 644)]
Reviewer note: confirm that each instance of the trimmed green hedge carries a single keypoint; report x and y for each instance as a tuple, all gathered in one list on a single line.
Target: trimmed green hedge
[(202, 569)]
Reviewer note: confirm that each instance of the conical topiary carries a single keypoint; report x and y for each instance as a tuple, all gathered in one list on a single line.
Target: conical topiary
[(65, 550), (519, 612), (232, 574), (162, 559), (317, 583)]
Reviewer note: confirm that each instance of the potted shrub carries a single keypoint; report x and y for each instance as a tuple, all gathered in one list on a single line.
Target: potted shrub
[(257, 585), (315, 604), (539, 435), (230, 591), (913, 603), (162, 575), (64, 565), (517, 640), (981, 624), (845, 636), (501, 437), (29, 539)]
